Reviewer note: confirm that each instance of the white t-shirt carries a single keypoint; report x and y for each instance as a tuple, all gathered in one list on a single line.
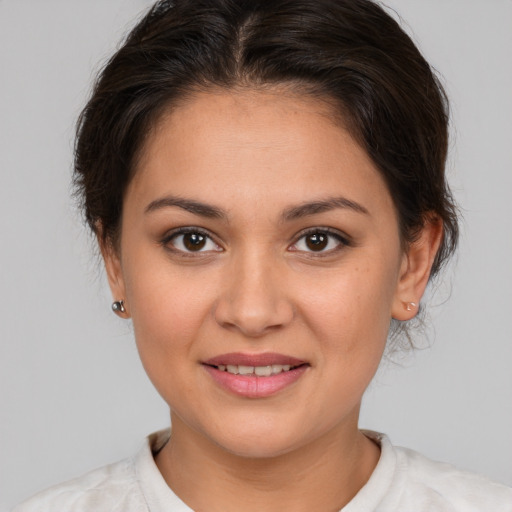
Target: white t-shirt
[(403, 481)]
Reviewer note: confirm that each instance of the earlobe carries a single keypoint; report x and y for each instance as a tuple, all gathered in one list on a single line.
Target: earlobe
[(415, 269), (113, 268)]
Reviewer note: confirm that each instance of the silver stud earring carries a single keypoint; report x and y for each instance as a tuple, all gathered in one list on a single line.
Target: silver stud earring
[(118, 307), (409, 306)]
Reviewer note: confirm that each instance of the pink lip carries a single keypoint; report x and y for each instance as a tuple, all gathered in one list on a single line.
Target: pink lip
[(253, 386)]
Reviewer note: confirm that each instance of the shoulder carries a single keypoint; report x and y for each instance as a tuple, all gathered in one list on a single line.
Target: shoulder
[(113, 487), (445, 487), (132, 485), (405, 480)]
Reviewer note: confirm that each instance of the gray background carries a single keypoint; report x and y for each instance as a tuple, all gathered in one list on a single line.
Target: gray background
[(73, 394)]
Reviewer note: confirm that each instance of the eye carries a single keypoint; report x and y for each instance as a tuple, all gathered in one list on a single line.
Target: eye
[(189, 240), (319, 241)]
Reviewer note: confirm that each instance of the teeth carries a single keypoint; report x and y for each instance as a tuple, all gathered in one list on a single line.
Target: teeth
[(263, 371), (245, 370), (260, 371)]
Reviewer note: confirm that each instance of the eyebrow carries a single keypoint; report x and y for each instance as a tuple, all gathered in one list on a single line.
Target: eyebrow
[(196, 207), (312, 208), (289, 214)]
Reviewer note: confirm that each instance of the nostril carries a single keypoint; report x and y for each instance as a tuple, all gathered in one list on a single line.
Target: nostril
[(252, 298), (252, 330), (252, 323)]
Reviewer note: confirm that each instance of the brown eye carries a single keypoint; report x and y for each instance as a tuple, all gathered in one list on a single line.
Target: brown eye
[(320, 242), (190, 241), (194, 241), (317, 241)]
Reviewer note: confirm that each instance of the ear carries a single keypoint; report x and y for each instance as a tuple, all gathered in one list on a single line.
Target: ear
[(112, 261), (415, 269)]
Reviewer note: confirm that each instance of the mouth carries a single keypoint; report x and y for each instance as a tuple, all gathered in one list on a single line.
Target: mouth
[(255, 376), (259, 371)]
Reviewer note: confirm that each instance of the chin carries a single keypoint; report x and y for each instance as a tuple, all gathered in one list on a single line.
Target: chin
[(259, 441), (259, 448)]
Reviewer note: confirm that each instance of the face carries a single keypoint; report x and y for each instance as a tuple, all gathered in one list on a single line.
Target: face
[(261, 264)]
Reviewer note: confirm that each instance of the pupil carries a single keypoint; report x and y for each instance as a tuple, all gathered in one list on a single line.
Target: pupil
[(194, 241), (317, 242)]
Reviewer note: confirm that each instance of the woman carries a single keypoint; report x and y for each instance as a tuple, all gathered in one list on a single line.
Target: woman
[(266, 183)]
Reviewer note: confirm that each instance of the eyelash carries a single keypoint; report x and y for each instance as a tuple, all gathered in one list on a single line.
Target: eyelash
[(343, 241), (166, 241)]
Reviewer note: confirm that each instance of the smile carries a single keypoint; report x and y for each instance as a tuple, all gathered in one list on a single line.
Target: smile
[(255, 376), (260, 371)]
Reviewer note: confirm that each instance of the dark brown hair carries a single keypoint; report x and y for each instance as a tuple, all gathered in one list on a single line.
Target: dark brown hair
[(350, 53)]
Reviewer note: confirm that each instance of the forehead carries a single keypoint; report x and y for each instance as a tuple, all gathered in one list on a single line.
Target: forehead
[(239, 147)]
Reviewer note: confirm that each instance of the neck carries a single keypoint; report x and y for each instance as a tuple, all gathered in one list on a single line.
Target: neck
[(324, 475)]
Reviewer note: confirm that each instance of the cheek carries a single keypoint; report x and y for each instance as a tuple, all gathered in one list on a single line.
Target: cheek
[(168, 312), (167, 304), (353, 305)]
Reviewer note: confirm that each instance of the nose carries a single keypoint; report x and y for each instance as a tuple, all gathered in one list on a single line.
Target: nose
[(253, 298)]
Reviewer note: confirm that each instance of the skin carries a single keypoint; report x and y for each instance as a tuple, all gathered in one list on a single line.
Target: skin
[(257, 287)]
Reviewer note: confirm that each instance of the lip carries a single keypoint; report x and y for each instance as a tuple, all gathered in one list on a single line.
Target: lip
[(253, 386)]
